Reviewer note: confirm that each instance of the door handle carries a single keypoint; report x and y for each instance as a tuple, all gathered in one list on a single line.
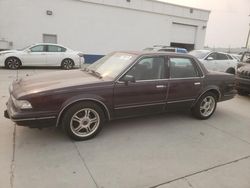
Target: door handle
[(197, 83), (160, 86)]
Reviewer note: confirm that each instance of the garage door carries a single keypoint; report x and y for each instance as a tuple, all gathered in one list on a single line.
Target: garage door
[(182, 33)]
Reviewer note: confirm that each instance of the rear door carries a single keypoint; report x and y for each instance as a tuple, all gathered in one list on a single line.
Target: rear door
[(148, 93), (223, 62), (185, 82), (55, 54)]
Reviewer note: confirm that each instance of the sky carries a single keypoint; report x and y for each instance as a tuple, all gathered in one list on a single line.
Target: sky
[(228, 23)]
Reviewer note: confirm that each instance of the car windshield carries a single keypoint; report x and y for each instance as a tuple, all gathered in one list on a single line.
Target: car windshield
[(112, 64), (199, 54), (21, 49)]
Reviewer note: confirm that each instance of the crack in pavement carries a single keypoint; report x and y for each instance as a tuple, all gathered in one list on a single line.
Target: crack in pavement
[(228, 133), (85, 164), (188, 182), (201, 171), (12, 165)]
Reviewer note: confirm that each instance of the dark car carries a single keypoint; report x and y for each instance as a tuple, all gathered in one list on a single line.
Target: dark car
[(243, 75), (121, 84)]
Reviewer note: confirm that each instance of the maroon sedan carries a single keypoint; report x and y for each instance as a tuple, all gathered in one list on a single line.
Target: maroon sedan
[(121, 84)]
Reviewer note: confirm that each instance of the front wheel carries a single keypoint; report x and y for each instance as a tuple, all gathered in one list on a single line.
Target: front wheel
[(205, 106), (83, 121), (67, 64), (12, 63)]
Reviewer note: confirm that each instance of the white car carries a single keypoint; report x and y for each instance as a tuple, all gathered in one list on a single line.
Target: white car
[(216, 61), (42, 54)]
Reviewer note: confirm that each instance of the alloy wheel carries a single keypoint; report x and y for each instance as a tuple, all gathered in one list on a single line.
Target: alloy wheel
[(84, 122), (207, 106)]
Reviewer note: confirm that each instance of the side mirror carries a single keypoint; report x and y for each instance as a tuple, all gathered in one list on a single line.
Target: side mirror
[(210, 58), (28, 50), (128, 78)]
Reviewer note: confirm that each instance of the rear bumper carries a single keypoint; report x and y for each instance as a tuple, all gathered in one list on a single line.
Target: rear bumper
[(228, 96), (243, 84), (29, 119)]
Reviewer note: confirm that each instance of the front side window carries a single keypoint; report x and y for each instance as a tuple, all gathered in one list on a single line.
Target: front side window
[(38, 48), (213, 55), (182, 68), (53, 48), (148, 68)]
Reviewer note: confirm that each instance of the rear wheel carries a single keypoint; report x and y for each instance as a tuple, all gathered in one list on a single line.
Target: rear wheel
[(230, 71), (67, 64), (205, 106), (83, 121), (12, 63)]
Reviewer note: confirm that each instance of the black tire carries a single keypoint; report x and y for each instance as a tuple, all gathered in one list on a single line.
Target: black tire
[(230, 71), (78, 121), (242, 92), (13, 63), (199, 110), (67, 64)]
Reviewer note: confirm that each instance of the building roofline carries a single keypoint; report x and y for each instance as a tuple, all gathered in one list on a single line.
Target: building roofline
[(183, 6)]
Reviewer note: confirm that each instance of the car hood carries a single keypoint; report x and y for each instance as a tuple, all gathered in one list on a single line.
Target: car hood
[(54, 81), (7, 51)]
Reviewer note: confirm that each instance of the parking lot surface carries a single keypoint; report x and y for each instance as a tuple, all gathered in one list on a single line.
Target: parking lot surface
[(167, 151)]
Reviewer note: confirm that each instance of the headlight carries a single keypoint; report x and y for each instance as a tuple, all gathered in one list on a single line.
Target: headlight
[(22, 104)]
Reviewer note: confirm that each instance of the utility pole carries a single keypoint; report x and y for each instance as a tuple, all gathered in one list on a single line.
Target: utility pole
[(248, 36)]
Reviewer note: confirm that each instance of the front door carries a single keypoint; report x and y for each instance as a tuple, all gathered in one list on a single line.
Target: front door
[(35, 56), (147, 94), (185, 83), (210, 61)]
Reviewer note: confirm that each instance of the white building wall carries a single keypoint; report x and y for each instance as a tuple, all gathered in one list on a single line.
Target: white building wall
[(97, 26)]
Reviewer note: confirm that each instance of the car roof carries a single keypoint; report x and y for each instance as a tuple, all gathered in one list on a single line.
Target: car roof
[(48, 44), (139, 53)]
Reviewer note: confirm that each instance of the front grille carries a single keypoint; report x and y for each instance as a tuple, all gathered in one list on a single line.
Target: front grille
[(244, 74)]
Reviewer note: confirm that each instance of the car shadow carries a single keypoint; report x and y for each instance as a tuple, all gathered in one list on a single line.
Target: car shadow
[(56, 134)]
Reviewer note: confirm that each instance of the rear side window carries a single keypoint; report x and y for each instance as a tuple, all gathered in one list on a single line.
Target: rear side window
[(222, 56), (182, 68), (53, 48), (229, 56)]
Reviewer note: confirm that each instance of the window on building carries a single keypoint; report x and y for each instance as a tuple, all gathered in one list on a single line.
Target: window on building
[(49, 38)]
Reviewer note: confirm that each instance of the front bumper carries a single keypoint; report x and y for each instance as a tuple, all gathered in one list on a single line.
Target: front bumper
[(29, 118), (243, 84)]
